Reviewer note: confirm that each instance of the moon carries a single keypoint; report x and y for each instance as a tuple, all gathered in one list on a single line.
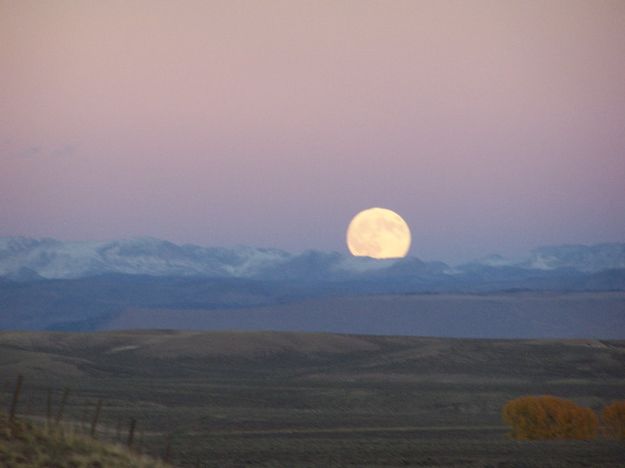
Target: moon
[(378, 233)]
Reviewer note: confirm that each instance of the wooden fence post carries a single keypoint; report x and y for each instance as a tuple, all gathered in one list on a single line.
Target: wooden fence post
[(96, 416), (59, 414), (83, 419), (49, 407), (16, 397), (131, 432), (167, 454)]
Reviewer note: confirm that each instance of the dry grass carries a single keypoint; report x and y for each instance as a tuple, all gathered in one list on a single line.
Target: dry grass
[(24, 444)]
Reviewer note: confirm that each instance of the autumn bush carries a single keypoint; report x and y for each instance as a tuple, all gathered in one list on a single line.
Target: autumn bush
[(613, 417), (549, 417)]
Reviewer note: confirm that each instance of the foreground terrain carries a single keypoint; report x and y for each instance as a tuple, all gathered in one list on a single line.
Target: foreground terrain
[(25, 444), (287, 399)]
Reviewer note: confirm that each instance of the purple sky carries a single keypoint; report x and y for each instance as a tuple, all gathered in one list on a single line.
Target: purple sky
[(490, 126)]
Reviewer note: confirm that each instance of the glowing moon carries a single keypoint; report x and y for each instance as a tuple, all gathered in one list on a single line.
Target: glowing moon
[(378, 233)]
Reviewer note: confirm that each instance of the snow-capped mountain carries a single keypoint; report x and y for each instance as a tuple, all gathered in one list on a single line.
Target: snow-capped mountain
[(582, 258), (26, 258), (50, 258), (587, 258)]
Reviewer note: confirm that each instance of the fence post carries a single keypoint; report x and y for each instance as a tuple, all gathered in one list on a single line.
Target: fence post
[(96, 416), (49, 407), (83, 419), (59, 415), (167, 454), (131, 432), (16, 397)]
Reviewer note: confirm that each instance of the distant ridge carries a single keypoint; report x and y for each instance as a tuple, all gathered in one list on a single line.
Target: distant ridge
[(587, 258), (24, 259), (54, 259)]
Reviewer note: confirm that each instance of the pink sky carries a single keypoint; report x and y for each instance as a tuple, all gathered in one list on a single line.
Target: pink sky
[(490, 126)]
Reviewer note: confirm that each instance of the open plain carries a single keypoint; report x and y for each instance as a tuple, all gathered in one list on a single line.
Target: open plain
[(304, 399)]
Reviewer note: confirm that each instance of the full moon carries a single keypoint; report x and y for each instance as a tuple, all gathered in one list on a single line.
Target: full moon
[(378, 233)]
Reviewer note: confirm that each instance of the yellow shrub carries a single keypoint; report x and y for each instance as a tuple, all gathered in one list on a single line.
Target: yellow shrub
[(613, 417), (549, 417)]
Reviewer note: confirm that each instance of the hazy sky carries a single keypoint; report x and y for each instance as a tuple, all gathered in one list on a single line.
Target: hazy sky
[(490, 126)]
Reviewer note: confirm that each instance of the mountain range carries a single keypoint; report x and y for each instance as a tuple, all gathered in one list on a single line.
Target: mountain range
[(564, 291), (23, 258)]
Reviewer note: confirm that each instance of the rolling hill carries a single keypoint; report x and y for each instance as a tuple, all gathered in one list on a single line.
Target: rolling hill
[(285, 399)]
